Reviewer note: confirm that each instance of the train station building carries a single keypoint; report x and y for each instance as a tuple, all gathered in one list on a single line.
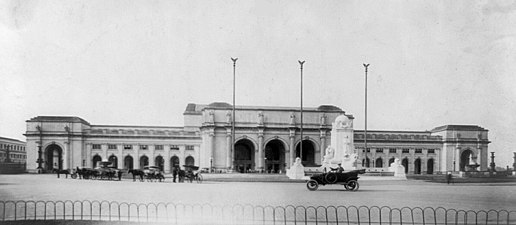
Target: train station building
[(267, 139)]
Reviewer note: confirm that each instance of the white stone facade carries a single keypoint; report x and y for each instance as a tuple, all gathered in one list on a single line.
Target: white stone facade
[(267, 139)]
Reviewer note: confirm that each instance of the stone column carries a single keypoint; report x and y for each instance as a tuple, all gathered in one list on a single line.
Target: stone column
[(166, 158), (261, 156), (151, 155), (323, 144), (514, 164), (136, 159), (120, 156), (88, 155), (228, 149), (292, 147), (66, 155), (104, 152), (182, 155), (456, 159)]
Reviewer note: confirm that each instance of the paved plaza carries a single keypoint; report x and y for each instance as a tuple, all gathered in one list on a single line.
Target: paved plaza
[(373, 192)]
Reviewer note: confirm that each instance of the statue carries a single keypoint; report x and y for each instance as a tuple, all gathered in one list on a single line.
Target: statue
[(211, 116), (228, 117), (323, 119), (297, 170), (292, 119), (328, 156), (397, 168), (260, 118)]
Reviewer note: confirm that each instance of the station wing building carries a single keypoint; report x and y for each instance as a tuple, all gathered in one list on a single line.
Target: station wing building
[(267, 139), (12, 156)]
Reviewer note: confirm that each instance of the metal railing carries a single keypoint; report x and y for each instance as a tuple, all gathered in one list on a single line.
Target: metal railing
[(178, 213)]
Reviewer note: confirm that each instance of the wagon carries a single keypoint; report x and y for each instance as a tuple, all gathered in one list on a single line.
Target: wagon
[(349, 179)]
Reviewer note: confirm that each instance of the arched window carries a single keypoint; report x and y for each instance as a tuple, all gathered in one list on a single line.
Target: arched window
[(189, 161), (159, 162), (114, 161), (430, 166), (417, 166), (128, 162), (144, 161), (95, 161), (391, 161)]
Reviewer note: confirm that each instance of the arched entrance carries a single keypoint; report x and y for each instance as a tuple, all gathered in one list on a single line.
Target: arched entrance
[(465, 159), (190, 161), (159, 162), (128, 162), (114, 161), (430, 166), (275, 156), (404, 162), (95, 161), (174, 162), (391, 161), (417, 166), (144, 161), (378, 163), (244, 156), (54, 157), (308, 158)]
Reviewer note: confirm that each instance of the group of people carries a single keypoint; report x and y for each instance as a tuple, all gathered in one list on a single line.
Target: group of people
[(179, 175)]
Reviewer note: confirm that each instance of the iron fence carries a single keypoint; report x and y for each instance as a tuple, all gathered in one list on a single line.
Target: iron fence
[(178, 213)]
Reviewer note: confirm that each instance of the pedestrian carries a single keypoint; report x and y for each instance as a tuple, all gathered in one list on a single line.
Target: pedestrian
[(448, 177), (119, 172), (174, 173), (181, 174)]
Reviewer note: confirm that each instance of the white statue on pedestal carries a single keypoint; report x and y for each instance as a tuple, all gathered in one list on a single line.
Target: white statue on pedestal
[(397, 168), (341, 149), (297, 170)]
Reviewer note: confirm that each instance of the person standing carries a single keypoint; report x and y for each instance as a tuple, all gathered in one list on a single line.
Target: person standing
[(174, 173), (448, 177)]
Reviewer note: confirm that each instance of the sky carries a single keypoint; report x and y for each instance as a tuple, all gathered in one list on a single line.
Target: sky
[(129, 62)]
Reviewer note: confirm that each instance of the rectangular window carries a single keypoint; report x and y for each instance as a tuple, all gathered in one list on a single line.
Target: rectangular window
[(111, 146), (128, 147), (405, 150), (431, 151), (158, 147), (189, 147), (418, 150), (379, 150), (174, 147), (392, 150), (95, 146), (143, 147)]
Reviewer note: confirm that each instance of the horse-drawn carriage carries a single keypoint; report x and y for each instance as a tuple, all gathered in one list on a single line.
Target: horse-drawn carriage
[(192, 173), (149, 173), (349, 179), (103, 171)]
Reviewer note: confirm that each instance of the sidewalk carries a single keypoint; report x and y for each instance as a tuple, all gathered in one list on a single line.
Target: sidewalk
[(258, 177)]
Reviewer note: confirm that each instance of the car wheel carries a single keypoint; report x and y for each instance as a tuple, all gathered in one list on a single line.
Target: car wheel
[(352, 185), (330, 178), (312, 185), (74, 176)]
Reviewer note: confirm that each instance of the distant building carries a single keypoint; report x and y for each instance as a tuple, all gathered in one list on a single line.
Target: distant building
[(266, 139), (13, 156)]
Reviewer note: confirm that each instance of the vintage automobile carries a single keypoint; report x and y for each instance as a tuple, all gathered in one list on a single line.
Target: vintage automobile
[(348, 178), (153, 172)]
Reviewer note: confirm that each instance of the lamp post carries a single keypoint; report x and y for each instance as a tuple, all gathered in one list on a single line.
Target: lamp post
[(301, 142), (233, 116), (40, 159), (365, 126)]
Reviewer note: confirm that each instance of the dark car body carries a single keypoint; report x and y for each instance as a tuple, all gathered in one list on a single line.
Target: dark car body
[(348, 178)]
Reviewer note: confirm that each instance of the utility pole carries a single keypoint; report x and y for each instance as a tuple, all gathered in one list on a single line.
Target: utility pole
[(230, 157), (301, 142), (365, 127)]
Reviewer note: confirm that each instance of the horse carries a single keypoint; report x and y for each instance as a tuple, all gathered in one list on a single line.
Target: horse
[(135, 173), (58, 171)]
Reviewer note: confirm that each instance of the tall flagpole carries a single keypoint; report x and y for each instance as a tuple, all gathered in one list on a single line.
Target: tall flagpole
[(301, 142), (365, 130), (233, 116)]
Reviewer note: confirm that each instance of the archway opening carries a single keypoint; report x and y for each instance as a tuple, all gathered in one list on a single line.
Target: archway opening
[(190, 161), (54, 157), (378, 163), (417, 166), (391, 161), (275, 157), (404, 162), (95, 161), (174, 162), (308, 157), (144, 161), (430, 166), (244, 156), (159, 162), (114, 161), (465, 159), (128, 162)]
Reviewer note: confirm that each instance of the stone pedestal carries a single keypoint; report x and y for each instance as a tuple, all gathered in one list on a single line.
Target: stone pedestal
[(341, 149)]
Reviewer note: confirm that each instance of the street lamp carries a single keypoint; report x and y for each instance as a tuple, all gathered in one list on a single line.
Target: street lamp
[(301, 142), (233, 117), (365, 127)]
